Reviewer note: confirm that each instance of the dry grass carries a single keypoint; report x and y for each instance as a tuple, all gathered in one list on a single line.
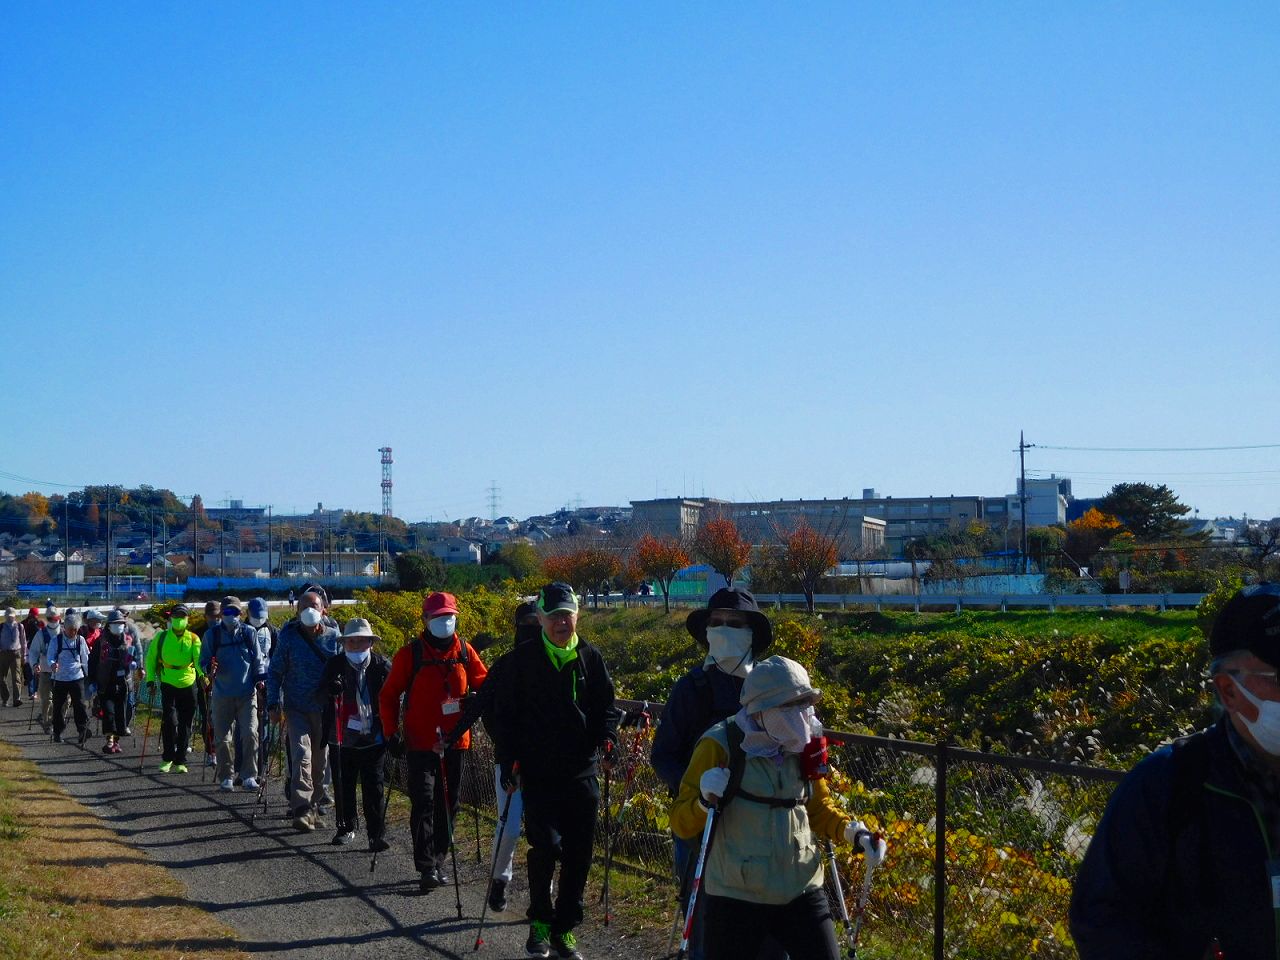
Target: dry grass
[(69, 887)]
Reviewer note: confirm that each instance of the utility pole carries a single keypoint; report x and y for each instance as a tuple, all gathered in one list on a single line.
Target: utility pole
[(151, 550), (494, 499), (222, 548), (66, 538), (1023, 447), (270, 572), (108, 568)]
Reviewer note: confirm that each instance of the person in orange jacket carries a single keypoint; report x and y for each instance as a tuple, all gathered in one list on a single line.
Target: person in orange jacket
[(434, 672)]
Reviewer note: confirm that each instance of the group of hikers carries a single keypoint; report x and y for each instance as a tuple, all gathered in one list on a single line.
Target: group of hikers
[(1183, 863)]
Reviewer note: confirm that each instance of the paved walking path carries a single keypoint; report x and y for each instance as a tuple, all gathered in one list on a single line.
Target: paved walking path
[(287, 894)]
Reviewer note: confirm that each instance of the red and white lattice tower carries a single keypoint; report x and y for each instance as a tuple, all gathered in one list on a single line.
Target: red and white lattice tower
[(386, 480)]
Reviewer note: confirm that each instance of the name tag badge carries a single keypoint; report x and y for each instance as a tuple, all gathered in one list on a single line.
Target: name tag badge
[(354, 723), (450, 707), (119, 673), (1273, 868)]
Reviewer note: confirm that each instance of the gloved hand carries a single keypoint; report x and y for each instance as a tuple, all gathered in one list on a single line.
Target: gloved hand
[(713, 783), (507, 776), (873, 847), (395, 746)]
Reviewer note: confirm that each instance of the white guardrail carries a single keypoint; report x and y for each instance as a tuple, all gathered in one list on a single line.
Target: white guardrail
[(1104, 601)]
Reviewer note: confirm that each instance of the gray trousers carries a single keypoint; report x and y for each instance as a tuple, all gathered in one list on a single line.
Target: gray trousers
[(308, 754), (10, 667), (242, 711)]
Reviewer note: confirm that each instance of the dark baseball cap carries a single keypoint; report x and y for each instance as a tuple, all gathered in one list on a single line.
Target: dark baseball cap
[(1250, 621), (557, 596), (180, 610)]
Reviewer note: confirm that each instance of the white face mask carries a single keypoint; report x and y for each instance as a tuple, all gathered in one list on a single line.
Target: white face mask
[(730, 648), (257, 621), (1266, 729), (116, 628), (443, 627), (788, 727), (357, 657), (310, 616)]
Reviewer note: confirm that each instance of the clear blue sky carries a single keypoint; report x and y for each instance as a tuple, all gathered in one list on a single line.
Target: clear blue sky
[(610, 251)]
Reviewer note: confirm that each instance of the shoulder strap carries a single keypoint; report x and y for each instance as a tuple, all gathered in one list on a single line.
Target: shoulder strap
[(315, 648), (737, 762)]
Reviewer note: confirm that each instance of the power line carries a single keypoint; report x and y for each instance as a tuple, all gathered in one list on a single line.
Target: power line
[(1254, 446)]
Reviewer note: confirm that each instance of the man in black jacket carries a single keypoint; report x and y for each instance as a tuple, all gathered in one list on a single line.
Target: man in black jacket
[(1182, 866), (555, 721)]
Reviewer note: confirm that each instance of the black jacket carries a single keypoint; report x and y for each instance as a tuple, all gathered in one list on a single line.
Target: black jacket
[(1178, 859), (375, 673), (554, 722), (699, 700)]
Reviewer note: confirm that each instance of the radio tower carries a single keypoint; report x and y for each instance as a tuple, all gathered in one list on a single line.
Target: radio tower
[(494, 500), (386, 480)]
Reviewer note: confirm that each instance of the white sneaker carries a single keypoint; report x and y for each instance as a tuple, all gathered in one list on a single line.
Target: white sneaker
[(228, 784), (250, 784)]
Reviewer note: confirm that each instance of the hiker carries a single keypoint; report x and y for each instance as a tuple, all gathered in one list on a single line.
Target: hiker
[(305, 646), (763, 870), (260, 619), (135, 651), (115, 665), (91, 629), (734, 634), (556, 722), (30, 626), (68, 665), (173, 661), (434, 672), (1181, 864), (354, 680), (37, 657), (130, 628), (481, 707), (13, 652), (229, 653)]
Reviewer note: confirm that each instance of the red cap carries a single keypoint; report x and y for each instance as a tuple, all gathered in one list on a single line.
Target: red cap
[(438, 604), (34, 612)]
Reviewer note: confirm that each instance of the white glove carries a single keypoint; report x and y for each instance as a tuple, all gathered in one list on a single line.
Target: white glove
[(873, 847), (714, 783)]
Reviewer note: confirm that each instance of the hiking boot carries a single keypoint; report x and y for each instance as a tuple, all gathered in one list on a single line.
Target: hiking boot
[(179, 768), (227, 784), (250, 785), (429, 879), (166, 766), (343, 837), (498, 895), (115, 747), (57, 738), (210, 760), (566, 946), (378, 845), (539, 942), (304, 821)]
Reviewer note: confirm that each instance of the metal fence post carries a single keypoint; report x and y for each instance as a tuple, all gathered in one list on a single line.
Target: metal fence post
[(940, 852)]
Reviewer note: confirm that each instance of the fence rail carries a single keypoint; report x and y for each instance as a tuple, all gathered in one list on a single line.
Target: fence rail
[(983, 846)]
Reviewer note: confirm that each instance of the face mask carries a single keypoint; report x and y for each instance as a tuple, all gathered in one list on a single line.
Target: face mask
[(1266, 729), (357, 657), (788, 727), (442, 628), (116, 628), (178, 624), (257, 621), (731, 649), (310, 616), (230, 622)]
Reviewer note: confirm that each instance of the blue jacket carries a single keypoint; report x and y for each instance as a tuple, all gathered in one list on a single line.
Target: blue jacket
[(240, 661), (699, 700), (1179, 857), (297, 666)]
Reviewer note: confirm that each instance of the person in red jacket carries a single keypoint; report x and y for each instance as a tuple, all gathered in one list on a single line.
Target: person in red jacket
[(434, 672)]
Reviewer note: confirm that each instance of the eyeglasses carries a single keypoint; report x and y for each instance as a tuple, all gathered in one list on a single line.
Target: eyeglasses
[(1272, 675)]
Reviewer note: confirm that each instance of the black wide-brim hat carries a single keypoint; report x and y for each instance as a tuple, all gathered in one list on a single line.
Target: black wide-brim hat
[(733, 598)]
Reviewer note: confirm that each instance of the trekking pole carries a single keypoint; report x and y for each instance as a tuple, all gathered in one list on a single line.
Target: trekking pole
[(697, 880), (265, 770), (386, 805), (844, 907), (863, 896), (608, 830), (475, 804), (676, 921), (335, 763), (31, 717), (502, 829), (147, 730), (448, 819)]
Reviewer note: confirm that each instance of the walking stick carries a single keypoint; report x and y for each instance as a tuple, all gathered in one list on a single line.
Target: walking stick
[(502, 828), (448, 819), (676, 922), (475, 806), (31, 717), (697, 880), (151, 696), (386, 804), (608, 831), (844, 908), (336, 763), (863, 896)]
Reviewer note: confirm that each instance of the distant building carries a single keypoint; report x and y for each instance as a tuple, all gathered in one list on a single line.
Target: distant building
[(347, 563), (455, 550)]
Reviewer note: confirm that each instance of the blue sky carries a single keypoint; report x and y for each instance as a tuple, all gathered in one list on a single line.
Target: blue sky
[(606, 252)]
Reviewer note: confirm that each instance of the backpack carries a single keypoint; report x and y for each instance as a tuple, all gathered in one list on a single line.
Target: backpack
[(249, 646), (418, 661), (737, 767)]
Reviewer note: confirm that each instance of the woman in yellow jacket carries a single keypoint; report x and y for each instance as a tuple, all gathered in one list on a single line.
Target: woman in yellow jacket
[(763, 871), (173, 659)]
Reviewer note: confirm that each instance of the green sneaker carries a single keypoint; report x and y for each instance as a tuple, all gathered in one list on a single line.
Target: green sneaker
[(166, 766), (179, 768), (566, 946), (539, 942)]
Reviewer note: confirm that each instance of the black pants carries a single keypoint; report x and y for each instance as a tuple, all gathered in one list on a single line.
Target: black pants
[(559, 824), (804, 927), (363, 764), (428, 820), (75, 690), (114, 707), (177, 707)]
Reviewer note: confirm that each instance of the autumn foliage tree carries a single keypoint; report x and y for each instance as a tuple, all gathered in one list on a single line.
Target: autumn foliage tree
[(721, 546), (807, 556), (660, 558), (1089, 533)]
